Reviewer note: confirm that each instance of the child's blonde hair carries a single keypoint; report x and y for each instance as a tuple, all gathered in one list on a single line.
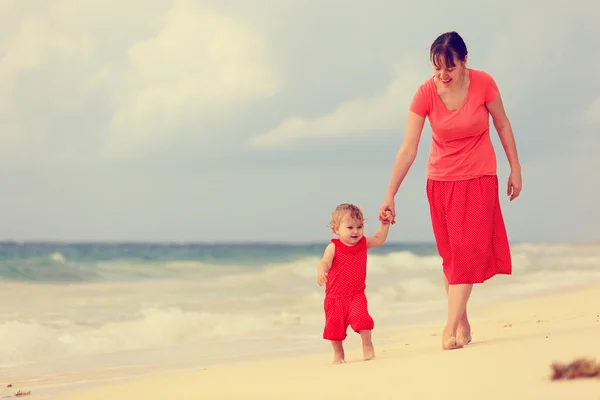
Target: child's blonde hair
[(341, 211)]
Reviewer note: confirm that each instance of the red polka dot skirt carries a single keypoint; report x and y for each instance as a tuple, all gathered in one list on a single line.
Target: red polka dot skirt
[(469, 229)]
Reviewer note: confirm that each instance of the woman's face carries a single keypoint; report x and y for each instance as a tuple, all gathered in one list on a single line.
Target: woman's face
[(448, 75)]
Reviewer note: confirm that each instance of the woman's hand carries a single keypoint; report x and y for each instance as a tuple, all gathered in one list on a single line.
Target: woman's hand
[(515, 183), (388, 205)]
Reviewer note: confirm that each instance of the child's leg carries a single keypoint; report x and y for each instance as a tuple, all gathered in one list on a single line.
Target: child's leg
[(362, 322), (367, 344), (336, 326), (338, 352)]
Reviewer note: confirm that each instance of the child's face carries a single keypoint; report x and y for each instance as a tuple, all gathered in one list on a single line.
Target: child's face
[(350, 230)]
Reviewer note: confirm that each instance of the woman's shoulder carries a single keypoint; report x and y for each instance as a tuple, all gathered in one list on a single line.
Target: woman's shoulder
[(481, 74), (427, 84), (422, 99), (426, 88), (485, 84)]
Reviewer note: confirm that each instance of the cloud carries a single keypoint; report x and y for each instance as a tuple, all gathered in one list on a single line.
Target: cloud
[(30, 86), (200, 64), (524, 66), (362, 116), (177, 87), (591, 115), (83, 80)]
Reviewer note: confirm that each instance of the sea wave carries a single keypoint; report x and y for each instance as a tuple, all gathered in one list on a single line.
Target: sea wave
[(122, 305)]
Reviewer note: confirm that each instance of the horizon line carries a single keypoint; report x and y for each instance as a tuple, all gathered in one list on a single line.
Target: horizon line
[(245, 242)]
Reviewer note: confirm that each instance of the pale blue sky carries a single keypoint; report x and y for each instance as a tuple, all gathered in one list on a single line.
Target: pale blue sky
[(222, 120)]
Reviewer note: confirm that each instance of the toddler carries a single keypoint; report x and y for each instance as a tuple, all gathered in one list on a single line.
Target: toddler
[(343, 270)]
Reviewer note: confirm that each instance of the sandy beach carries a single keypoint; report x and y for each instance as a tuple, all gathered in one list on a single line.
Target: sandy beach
[(514, 345)]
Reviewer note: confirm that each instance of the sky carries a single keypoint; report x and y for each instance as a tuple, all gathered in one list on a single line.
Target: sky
[(236, 120)]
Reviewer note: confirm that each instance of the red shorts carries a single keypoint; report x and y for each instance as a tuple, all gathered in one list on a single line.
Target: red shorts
[(469, 229), (341, 312)]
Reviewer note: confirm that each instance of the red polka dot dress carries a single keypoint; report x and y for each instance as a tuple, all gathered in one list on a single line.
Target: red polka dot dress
[(345, 300)]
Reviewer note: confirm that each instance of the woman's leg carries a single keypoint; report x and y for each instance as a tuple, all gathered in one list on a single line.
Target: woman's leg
[(463, 333), (448, 229), (458, 297)]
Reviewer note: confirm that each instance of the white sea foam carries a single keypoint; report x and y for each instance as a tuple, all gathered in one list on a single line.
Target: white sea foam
[(204, 305)]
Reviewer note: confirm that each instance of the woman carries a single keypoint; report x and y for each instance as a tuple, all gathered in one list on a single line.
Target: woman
[(462, 182)]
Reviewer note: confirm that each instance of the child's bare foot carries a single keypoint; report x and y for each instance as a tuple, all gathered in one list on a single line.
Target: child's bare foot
[(368, 351), (338, 358), (449, 341)]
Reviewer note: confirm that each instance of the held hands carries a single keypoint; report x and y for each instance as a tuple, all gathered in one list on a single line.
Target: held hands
[(387, 211), (386, 218), (514, 183)]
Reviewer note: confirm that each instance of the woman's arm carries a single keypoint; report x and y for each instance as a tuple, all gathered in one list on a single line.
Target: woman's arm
[(407, 153), (507, 138), (404, 160), (505, 132)]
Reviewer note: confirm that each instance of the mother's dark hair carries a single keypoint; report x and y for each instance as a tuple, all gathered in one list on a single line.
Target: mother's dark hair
[(446, 48)]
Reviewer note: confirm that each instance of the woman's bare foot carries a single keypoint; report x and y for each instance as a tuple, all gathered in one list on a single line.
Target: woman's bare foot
[(464, 340), (449, 341), (451, 344), (464, 335), (368, 351)]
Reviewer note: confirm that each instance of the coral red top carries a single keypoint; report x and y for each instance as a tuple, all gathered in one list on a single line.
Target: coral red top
[(348, 273), (461, 148)]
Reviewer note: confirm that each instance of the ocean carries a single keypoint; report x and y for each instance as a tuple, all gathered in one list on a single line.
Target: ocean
[(131, 308)]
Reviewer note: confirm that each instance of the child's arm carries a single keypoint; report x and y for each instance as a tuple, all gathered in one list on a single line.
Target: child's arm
[(325, 264), (380, 234)]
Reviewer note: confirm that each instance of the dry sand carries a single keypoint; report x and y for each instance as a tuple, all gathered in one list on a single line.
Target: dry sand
[(513, 346)]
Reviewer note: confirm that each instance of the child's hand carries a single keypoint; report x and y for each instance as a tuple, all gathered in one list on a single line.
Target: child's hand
[(321, 277)]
